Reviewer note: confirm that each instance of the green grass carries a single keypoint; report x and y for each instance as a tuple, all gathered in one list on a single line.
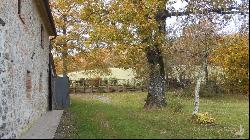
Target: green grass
[(126, 118)]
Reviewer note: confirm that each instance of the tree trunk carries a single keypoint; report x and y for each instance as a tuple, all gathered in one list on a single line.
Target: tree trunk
[(206, 75), (156, 87), (157, 81), (197, 89), (64, 59), (64, 53), (206, 70)]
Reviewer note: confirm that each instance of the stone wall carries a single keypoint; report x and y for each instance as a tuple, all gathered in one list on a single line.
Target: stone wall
[(23, 68)]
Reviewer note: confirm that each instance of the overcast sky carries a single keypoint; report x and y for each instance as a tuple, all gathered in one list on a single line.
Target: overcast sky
[(232, 27)]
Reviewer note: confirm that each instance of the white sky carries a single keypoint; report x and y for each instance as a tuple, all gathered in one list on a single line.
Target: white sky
[(232, 27)]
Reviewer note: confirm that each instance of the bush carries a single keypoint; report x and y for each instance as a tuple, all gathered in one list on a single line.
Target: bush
[(176, 105), (203, 118), (233, 57), (211, 89), (113, 81), (186, 92)]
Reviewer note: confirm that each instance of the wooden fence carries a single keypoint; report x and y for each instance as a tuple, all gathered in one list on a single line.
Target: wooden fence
[(105, 86), (99, 85)]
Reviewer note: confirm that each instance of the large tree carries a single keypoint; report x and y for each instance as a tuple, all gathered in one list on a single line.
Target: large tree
[(140, 25), (134, 27), (128, 24), (70, 29)]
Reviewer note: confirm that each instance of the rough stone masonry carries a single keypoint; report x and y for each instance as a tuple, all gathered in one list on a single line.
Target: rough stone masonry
[(24, 59)]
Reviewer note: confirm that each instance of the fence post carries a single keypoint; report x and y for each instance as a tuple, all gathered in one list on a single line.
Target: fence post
[(108, 86), (84, 84), (99, 84), (127, 85), (117, 87), (134, 85), (74, 86), (141, 87), (123, 87), (91, 86)]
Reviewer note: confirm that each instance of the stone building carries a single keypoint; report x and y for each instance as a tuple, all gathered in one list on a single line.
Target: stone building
[(26, 28)]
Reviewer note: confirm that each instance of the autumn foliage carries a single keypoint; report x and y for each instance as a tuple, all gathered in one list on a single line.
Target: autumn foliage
[(97, 59), (232, 57)]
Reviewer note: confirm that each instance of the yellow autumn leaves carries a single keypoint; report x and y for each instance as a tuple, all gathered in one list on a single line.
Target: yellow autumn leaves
[(233, 57)]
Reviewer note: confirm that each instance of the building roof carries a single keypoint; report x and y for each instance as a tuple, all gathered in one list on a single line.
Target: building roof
[(46, 2), (45, 11)]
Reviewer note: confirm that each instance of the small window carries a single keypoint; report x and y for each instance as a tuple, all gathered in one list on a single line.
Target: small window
[(19, 7), (42, 36), (28, 85), (40, 82), (2, 38)]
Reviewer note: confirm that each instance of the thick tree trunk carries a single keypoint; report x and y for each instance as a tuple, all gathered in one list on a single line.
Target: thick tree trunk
[(157, 82), (156, 87)]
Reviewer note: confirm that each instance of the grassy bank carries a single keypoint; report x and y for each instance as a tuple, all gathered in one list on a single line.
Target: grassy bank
[(124, 117)]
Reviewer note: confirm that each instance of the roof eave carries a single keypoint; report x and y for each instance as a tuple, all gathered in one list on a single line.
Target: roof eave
[(50, 17)]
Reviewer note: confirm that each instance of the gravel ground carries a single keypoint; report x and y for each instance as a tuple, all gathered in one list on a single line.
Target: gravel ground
[(65, 129)]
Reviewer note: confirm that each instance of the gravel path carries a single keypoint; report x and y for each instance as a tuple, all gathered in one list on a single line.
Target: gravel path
[(66, 129), (45, 127)]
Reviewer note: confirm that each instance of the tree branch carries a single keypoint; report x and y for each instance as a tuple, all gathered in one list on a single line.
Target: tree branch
[(164, 14)]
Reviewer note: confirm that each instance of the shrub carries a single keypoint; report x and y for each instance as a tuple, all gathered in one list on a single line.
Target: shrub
[(113, 81), (232, 56), (187, 91), (203, 118), (211, 89), (176, 105)]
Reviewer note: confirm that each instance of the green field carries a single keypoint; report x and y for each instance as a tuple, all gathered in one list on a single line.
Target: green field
[(123, 116), (117, 73)]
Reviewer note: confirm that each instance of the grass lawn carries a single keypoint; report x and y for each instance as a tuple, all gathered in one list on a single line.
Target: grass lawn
[(124, 117)]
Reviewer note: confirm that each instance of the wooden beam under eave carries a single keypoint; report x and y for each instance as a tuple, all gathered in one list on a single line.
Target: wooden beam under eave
[(44, 14)]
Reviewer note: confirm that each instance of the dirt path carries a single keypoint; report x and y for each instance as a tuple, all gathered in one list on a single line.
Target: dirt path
[(103, 99)]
